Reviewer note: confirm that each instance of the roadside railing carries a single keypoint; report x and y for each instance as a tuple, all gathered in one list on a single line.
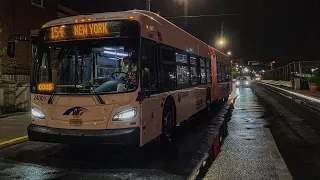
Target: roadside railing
[(302, 69)]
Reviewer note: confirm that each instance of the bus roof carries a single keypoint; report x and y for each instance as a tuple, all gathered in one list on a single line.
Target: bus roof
[(153, 27)]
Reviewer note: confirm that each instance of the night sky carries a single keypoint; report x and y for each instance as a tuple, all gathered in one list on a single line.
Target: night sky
[(266, 30)]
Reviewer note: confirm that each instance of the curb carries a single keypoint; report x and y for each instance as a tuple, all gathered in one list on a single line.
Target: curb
[(281, 167), (12, 114), (308, 101), (13, 141)]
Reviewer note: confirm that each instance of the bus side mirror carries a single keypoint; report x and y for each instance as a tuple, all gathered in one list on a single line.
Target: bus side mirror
[(11, 46)]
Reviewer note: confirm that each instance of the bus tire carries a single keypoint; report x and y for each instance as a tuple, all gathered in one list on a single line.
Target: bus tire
[(168, 124)]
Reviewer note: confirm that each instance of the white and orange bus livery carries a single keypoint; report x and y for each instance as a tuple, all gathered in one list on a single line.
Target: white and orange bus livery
[(120, 78)]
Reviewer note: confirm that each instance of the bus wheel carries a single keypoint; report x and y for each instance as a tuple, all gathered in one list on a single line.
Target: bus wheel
[(168, 124), (208, 103)]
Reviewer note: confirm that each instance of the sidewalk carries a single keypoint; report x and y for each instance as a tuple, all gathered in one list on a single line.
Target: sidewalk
[(14, 126), (249, 151), (281, 84)]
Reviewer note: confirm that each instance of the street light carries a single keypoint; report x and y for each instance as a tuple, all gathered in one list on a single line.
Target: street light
[(229, 53), (273, 62), (221, 42)]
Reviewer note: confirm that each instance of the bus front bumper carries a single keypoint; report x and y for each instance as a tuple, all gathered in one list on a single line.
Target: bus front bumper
[(129, 136)]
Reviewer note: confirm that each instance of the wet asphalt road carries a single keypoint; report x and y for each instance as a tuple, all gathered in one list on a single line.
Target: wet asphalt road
[(244, 155), (296, 130), (36, 160)]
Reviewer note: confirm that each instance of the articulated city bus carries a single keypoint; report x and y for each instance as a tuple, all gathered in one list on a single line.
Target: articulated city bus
[(120, 78)]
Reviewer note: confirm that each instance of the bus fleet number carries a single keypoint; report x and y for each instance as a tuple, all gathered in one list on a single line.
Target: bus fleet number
[(39, 98)]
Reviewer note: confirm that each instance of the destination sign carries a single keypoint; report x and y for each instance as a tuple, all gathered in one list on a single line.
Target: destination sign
[(83, 31)]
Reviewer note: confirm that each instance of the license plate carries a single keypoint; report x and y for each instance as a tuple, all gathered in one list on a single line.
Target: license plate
[(75, 122)]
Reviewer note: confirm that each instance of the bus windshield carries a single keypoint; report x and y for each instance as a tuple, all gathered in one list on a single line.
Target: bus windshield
[(88, 66)]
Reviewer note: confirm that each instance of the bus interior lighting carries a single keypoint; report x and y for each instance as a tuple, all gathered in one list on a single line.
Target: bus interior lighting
[(114, 53)]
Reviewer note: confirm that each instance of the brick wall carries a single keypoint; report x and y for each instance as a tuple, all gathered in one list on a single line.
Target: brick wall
[(20, 17)]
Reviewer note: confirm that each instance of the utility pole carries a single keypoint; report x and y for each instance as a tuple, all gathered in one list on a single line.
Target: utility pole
[(221, 34)]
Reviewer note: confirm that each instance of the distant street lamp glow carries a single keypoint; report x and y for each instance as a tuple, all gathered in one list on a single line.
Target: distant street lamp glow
[(229, 53), (221, 42)]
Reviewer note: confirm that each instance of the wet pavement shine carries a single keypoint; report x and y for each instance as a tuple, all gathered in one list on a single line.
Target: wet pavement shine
[(37, 160), (296, 130), (245, 153)]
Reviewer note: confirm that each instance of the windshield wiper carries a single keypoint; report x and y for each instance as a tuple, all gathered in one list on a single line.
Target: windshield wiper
[(100, 100), (50, 101)]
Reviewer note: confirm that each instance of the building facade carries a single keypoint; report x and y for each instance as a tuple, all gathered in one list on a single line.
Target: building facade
[(24, 17)]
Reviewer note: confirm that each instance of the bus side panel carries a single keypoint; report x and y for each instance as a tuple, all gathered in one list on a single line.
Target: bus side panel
[(214, 93), (184, 103), (151, 117)]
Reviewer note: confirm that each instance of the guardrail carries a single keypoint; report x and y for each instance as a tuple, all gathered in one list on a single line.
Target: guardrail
[(297, 69)]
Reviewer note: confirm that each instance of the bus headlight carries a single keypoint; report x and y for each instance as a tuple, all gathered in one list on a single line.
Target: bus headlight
[(125, 115), (247, 82), (36, 113), (237, 82)]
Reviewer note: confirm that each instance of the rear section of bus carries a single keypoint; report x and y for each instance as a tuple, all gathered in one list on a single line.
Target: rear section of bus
[(85, 81)]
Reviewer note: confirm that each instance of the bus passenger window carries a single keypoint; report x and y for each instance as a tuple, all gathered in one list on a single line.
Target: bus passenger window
[(219, 74), (209, 75), (193, 70), (182, 74), (223, 73), (169, 69), (194, 77), (203, 72), (169, 83), (182, 70)]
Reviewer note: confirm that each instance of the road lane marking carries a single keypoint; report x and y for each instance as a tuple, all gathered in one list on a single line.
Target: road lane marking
[(13, 141)]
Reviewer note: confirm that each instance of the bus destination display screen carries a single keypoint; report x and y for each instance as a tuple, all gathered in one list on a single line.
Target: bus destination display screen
[(83, 31)]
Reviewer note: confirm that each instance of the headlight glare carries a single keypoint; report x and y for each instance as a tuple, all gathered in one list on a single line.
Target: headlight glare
[(237, 82), (126, 115), (247, 82), (36, 113)]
